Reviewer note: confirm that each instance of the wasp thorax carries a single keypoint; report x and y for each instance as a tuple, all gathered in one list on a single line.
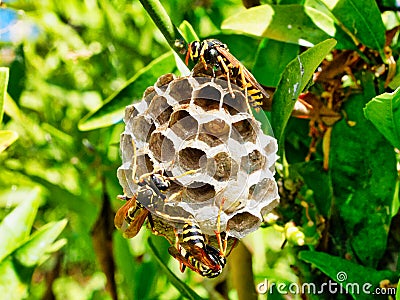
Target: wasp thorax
[(197, 133)]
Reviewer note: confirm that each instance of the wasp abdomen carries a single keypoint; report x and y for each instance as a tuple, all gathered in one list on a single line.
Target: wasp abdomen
[(191, 233)]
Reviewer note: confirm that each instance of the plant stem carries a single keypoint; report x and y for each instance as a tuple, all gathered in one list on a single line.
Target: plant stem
[(240, 262), (160, 17)]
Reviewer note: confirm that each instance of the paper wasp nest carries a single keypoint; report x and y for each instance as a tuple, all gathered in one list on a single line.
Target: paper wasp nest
[(194, 123)]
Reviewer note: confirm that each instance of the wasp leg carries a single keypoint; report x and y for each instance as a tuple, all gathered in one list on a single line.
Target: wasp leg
[(201, 55), (182, 266), (223, 245), (227, 71), (245, 85), (182, 175)]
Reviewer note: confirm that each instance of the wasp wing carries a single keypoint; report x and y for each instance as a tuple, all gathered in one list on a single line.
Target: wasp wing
[(237, 64), (201, 255)]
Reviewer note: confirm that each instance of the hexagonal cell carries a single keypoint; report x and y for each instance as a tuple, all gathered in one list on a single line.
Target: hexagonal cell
[(242, 222), (159, 109), (127, 150), (200, 191), (147, 93), (223, 167), (243, 131), (142, 129), (235, 104), (271, 147), (144, 165), (208, 92), (252, 162), (183, 124), (162, 147), (210, 140), (164, 80), (207, 104), (130, 113), (191, 158), (217, 127), (181, 90), (174, 187), (266, 186)]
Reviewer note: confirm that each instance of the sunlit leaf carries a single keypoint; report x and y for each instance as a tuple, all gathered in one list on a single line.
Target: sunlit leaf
[(112, 111), (39, 244), (12, 286), (31, 127), (286, 23), (182, 287), (384, 112), (7, 137), (188, 32), (293, 81), (16, 226), (3, 89)]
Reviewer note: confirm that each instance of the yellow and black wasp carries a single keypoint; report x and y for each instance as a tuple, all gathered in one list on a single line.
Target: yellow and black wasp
[(214, 53), (193, 252)]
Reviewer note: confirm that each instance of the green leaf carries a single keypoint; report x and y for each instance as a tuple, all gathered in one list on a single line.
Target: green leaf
[(16, 226), (112, 111), (363, 172), (286, 23), (384, 112), (272, 58), (361, 19), (293, 81), (12, 286), (188, 32), (398, 291), (3, 90), (31, 253), (347, 273), (7, 137), (184, 289)]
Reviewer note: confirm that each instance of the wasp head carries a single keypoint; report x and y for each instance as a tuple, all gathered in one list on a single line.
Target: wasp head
[(193, 52)]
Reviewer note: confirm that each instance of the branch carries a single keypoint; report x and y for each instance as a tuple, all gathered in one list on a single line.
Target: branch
[(171, 33)]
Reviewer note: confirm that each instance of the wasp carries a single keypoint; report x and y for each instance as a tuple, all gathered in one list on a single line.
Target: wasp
[(193, 252), (134, 214), (214, 53), (151, 188)]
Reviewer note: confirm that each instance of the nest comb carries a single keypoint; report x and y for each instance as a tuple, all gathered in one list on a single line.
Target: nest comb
[(198, 123)]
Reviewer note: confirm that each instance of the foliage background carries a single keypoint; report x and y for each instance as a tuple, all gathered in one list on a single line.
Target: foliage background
[(67, 59)]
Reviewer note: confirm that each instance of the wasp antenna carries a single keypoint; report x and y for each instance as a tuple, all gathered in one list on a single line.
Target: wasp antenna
[(188, 53)]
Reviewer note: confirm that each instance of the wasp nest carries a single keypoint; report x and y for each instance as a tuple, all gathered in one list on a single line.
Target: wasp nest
[(199, 123)]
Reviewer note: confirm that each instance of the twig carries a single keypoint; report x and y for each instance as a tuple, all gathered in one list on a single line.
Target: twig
[(171, 33)]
